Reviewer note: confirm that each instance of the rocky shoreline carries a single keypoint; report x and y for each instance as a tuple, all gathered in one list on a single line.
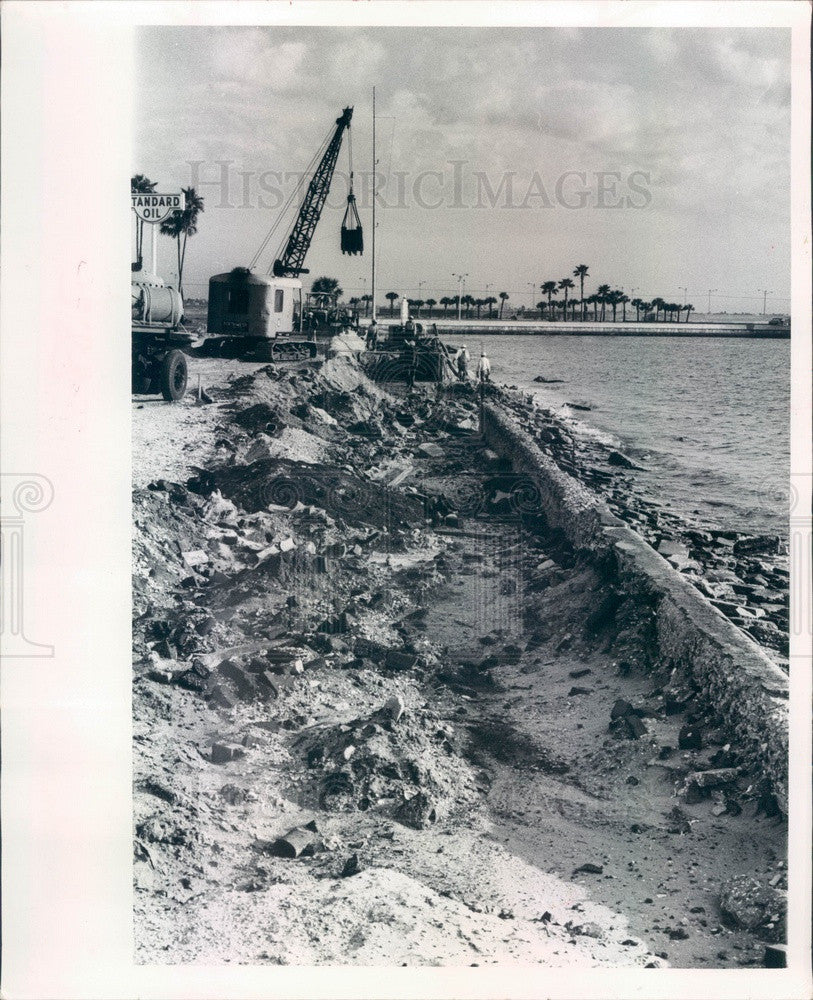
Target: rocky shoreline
[(746, 577), (383, 715)]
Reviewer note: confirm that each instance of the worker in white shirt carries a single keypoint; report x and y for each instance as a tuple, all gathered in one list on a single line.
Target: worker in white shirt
[(463, 363), (484, 368)]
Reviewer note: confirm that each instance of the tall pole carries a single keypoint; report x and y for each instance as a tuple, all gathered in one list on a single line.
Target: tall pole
[(710, 293), (765, 294), (461, 284), (685, 293), (372, 290)]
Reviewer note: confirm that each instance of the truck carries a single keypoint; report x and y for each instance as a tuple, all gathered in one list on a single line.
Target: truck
[(158, 363)]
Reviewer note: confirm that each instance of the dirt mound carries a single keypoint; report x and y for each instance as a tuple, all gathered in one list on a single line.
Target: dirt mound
[(408, 766)]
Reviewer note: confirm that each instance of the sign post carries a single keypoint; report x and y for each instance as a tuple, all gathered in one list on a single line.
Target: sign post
[(153, 207)]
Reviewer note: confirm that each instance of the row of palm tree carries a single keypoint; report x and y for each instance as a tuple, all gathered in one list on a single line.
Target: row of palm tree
[(605, 296), (569, 308), (595, 307), (467, 304)]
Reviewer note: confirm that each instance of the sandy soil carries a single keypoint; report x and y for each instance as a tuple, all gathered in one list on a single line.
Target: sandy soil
[(450, 826)]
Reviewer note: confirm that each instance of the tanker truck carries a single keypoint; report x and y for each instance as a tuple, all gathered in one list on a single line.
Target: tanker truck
[(157, 336), (158, 364)]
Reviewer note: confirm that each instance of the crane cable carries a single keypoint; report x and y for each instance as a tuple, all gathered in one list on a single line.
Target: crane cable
[(284, 210)]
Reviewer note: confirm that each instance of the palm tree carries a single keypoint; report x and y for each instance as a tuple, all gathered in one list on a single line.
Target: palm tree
[(139, 184), (392, 296), (581, 272), (503, 297), (624, 299), (182, 224), (446, 302), (659, 304), (566, 284), (541, 306), (549, 289), (637, 304), (430, 305), (326, 286), (468, 302), (613, 298), (417, 303), (366, 299), (602, 292), (688, 307)]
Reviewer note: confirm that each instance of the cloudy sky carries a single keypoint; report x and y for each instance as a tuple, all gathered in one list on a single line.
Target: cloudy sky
[(658, 157)]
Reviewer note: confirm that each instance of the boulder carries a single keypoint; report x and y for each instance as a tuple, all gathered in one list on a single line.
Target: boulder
[(418, 811), (223, 753), (753, 906)]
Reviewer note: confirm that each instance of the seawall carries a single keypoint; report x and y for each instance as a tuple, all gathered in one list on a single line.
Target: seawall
[(731, 673), (589, 328)]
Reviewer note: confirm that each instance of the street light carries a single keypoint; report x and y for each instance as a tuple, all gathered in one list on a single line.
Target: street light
[(685, 293), (711, 291), (461, 281), (765, 294)]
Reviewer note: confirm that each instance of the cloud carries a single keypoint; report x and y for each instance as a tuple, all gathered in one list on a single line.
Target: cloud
[(704, 112)]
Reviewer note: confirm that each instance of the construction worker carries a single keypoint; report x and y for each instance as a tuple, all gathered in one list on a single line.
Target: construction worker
[(484, 368), (463, 363), (372, 335)]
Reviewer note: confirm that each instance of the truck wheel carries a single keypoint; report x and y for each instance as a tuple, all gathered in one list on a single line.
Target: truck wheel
[(174, 373)]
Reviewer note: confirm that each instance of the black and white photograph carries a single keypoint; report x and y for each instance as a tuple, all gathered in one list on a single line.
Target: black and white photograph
[(464, 490), (460, 520)]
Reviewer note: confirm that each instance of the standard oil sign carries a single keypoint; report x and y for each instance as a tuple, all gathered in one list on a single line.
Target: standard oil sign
[(154, 207)]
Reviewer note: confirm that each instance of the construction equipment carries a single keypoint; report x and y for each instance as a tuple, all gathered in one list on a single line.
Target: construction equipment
[(157, 312), (264, 316)]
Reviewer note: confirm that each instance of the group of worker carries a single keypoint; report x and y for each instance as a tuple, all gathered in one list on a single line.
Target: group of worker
[(462, 360)]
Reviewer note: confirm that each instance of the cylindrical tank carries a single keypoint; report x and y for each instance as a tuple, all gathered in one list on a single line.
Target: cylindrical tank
[(155, 304)]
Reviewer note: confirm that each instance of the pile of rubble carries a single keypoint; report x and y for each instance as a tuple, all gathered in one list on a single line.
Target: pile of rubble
[(297, 716)]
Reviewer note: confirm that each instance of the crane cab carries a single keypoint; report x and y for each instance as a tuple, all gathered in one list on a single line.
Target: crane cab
[(244, 304)]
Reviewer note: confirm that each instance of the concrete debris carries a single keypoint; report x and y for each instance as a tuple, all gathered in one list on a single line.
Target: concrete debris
[(223, 753), (419, 811), (589, 868), (394, 707), (750, 904), (298, 842), (394, 653), (351, 867), (195, 558)]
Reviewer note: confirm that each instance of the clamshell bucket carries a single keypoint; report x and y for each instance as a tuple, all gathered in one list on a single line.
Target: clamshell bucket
[(352, 236)]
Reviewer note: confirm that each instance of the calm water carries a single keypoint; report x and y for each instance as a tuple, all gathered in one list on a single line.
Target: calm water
[(708, 418)]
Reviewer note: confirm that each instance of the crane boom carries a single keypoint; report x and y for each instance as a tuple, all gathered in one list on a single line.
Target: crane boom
[(290, 263)]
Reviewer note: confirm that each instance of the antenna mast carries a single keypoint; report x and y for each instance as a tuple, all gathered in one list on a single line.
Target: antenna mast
[(374, 188)]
